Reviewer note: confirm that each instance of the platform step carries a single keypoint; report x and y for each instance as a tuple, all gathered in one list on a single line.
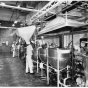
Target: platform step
[(43, 78)]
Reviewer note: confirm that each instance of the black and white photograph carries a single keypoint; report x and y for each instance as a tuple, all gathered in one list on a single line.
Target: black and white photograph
[(43, 43)]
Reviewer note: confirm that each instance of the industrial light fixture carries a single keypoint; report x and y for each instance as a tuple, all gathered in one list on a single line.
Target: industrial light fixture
[(13, 25), (2, 3), (21, 24), (15, 21), (18, 6)]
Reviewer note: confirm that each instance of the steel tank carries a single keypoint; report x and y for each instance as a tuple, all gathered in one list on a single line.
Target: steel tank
[(42, 53), (58, 57), (54, 56), (34, 56)]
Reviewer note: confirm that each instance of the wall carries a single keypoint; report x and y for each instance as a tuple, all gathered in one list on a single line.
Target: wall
[(5, 36), (50, 40)]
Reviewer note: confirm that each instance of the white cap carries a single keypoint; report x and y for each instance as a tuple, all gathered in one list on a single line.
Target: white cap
[(77, 48), (28, 42)]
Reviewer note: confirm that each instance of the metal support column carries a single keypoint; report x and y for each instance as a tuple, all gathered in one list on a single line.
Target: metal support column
[(72, 52), (58, 72), (47, 68), (37, 61)]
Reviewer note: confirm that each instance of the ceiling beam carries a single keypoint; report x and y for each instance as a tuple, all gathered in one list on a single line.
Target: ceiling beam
[(48, 7), (18, 8), (52, 12), (82, 18)]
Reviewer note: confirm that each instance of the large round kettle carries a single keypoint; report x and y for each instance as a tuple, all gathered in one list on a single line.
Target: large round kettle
[(59, 57), (63, 57), (56, 57)]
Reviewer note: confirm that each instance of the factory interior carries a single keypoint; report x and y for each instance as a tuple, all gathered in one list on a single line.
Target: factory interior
[(44, 43)]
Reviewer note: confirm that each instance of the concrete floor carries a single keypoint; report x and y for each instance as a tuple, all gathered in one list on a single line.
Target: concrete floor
[(12, 73)]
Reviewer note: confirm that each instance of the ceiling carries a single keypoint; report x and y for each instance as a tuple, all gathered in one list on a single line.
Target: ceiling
[(9, 15), (76, 10)]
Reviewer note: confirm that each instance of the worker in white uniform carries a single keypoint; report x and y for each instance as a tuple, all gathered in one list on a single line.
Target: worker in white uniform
[(13, 49), (29, 62), (18, 50)]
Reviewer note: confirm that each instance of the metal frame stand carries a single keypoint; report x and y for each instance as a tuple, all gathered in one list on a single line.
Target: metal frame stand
[(58, 73), (72, 53)]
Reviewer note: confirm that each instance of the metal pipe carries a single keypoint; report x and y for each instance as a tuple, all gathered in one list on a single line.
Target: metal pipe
[(18, 8), (37, 59), (72, 53), (8, 27), (70, 6), (13, 11), (47, 68), (58, 72), (12, 15)]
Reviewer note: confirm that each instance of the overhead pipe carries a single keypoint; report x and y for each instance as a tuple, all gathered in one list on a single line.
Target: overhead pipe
[(7, 27), (13, 12), (70, 6), (18, 8)]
